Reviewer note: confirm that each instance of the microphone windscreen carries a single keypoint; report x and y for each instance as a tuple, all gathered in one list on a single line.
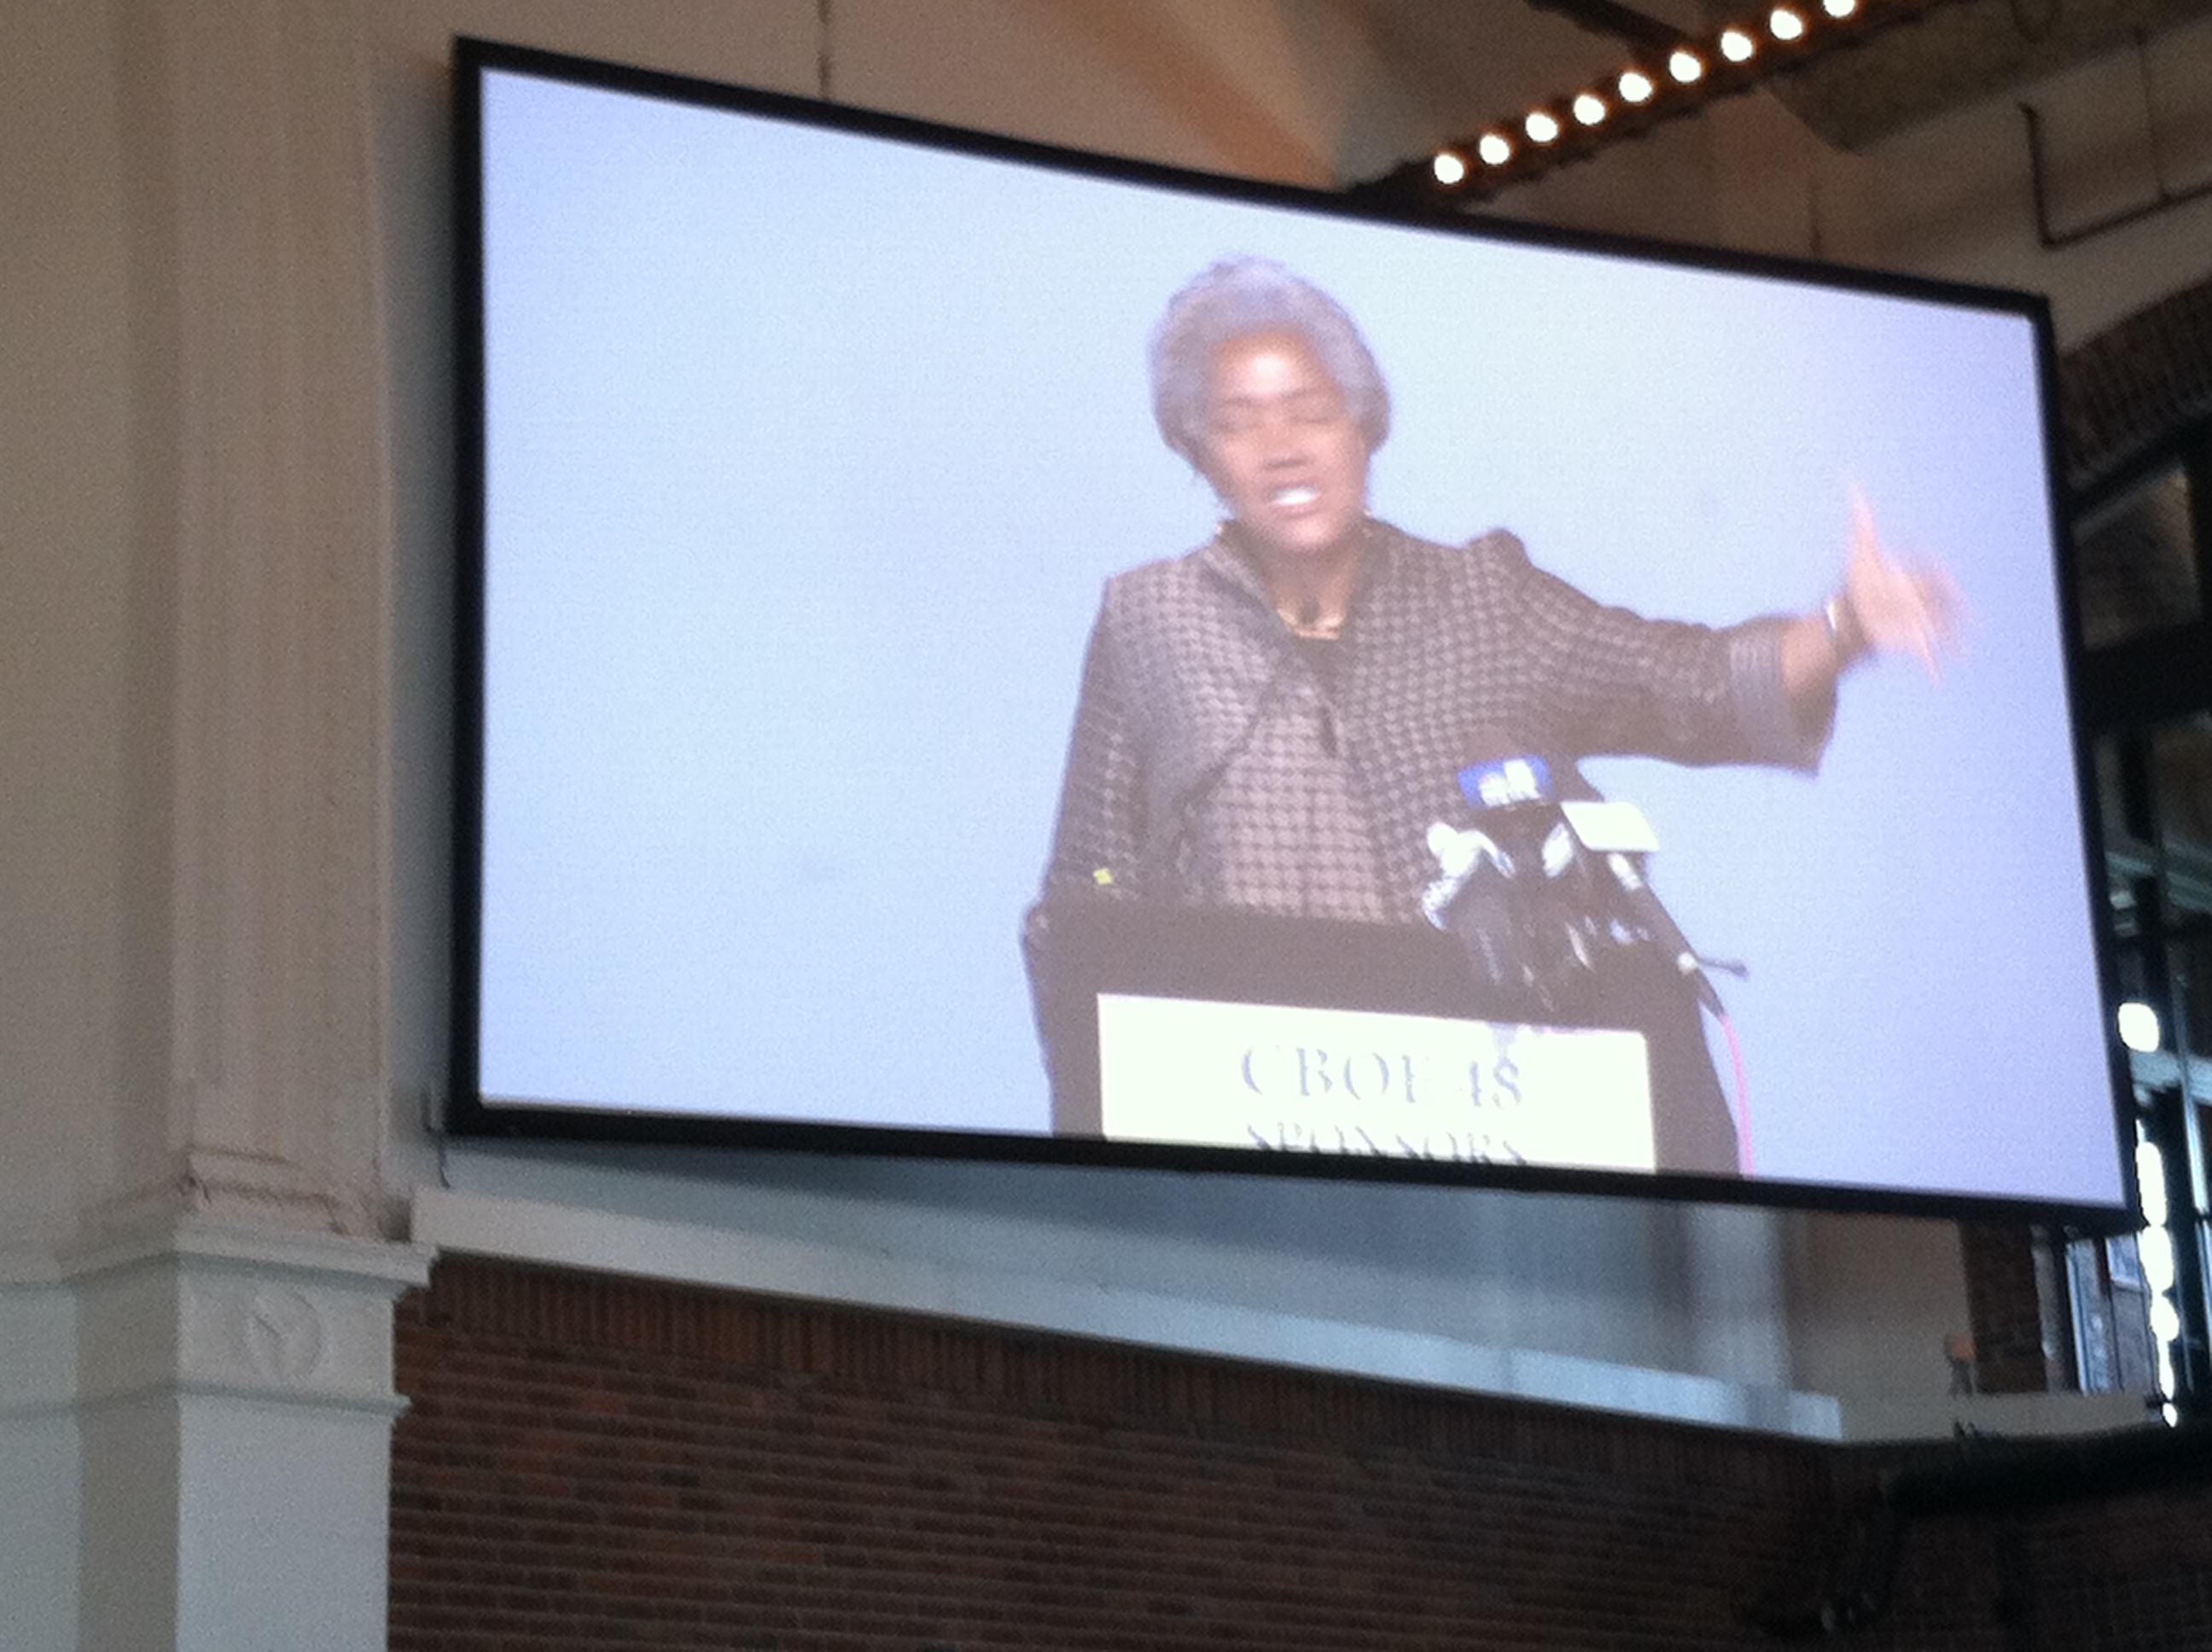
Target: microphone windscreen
[(1505, 781)]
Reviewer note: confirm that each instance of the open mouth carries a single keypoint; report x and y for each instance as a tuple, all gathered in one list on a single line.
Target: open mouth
[(1292, 497)]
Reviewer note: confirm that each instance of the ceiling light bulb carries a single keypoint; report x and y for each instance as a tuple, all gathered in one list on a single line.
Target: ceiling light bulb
[(1495, 149), (1785, 24), (1635, 86), (1686, 65), (1736, 45), (2139, 1029), (1448, 168), (1839, 7), (2154, 1250), (1541, 126), (1590, 108), (2150, 1184), (2164, 1319)]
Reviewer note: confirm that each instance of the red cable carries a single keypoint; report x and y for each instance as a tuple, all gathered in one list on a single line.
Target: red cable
[(1745, 1158)]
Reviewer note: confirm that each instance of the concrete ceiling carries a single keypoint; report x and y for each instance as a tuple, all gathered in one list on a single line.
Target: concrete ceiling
[(1475, 59), (1961, 53)]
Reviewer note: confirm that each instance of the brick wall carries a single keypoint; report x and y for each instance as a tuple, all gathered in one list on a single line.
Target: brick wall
[(2136, 385), (2013, 1292), (594, 1463)]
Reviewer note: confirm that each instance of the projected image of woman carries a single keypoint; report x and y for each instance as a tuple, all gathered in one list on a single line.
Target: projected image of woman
[(1275, 720)]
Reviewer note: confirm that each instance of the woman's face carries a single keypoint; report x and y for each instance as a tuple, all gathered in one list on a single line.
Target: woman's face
[(1282, 449)]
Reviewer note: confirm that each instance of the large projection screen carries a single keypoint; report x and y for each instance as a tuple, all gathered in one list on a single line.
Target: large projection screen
[(797, 448)]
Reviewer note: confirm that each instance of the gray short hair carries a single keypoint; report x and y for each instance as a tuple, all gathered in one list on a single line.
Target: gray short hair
[(1235, 298)]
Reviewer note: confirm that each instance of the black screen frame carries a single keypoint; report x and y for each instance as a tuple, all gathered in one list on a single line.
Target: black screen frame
[(467, 1113)]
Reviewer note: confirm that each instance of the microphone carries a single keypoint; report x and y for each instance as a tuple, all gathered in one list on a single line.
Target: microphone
[(1620, 839), (1537, 886), (1508, 881)]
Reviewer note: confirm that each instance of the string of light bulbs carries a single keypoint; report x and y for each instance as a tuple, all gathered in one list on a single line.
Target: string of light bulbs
[(1656, 86)]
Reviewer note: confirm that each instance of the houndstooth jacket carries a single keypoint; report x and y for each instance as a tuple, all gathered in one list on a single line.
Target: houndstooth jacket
[(1213, 764)]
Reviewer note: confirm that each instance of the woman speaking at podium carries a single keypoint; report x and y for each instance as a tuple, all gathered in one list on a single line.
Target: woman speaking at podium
[(1275, 720)]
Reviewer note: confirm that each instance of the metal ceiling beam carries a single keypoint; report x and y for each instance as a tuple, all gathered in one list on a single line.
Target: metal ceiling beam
[(1622, 22)]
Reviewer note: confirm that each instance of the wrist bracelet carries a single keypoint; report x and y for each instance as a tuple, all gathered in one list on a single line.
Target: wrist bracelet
[(1845, 640)]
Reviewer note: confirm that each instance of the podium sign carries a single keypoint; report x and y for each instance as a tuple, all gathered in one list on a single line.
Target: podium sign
[(1205, 1072), (1204, 1027)]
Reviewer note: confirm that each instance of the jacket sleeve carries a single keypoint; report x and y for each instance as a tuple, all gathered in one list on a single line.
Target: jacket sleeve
[(1096, 843), (1616, 682)]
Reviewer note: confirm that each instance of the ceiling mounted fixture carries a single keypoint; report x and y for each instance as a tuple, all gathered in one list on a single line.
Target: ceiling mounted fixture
[(1670, 75)]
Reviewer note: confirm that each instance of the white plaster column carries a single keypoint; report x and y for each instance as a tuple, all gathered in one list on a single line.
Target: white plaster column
[(234, 1405), (227, 1292), (39, 1507), (256, 749)]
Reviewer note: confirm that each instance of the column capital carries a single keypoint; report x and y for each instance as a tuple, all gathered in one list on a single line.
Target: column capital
[(226, 1310)]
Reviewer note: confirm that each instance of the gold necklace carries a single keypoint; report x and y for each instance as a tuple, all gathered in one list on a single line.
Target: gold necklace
[(1307, 620)]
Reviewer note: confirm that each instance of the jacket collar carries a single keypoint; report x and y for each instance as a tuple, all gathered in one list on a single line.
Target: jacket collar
[(1223, 558)]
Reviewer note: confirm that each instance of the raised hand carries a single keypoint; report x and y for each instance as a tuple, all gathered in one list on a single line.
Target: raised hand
[(1893, 607)]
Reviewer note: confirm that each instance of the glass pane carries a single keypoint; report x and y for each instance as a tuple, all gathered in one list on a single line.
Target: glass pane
[(2096, 1357), (2158, 870), (2136, 563), (2136, 1356), (2128, 859), (2112, 1348), (2181, 784), (2189, 971)]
